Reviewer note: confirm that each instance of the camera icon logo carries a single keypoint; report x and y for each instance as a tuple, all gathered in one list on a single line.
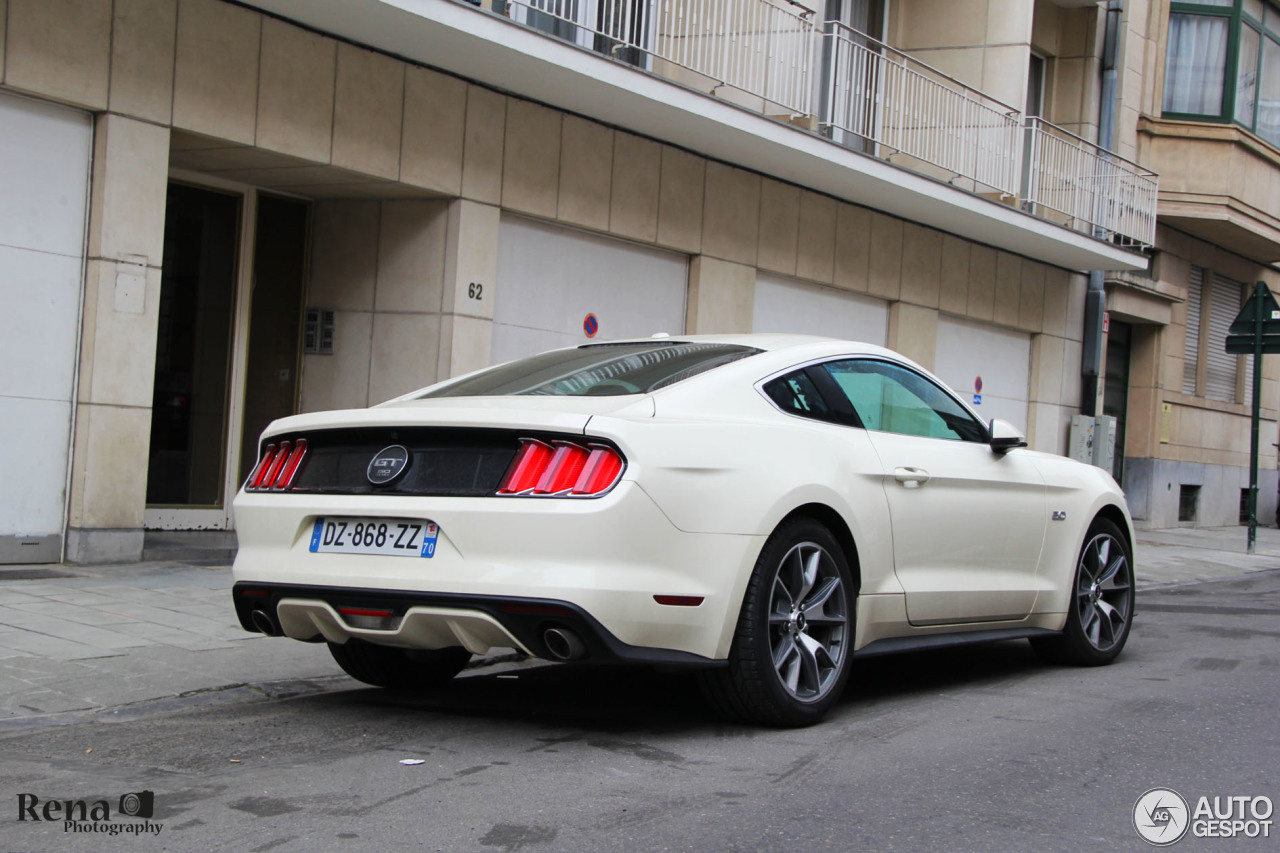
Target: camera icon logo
[(1161, 816), (138, 804)]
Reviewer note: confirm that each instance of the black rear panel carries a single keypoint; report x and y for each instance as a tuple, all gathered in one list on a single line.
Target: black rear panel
[(451, 462)]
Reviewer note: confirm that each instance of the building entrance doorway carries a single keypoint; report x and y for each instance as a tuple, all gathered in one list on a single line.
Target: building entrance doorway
[(1115, 394), (227, 345)]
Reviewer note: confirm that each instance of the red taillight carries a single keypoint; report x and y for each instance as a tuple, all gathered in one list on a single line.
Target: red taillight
[(282, 456), (278, 466), (565, 468), (600, 471), (260, 473), (285, 478), (527, 468)]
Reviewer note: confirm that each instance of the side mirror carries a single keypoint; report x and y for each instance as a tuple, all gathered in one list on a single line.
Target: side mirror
[(1005, 436)]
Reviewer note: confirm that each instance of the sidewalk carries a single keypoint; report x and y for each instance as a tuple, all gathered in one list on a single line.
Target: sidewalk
[(121, 642)]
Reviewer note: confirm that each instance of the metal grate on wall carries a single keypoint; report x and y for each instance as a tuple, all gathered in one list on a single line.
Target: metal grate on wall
[(318, 339)]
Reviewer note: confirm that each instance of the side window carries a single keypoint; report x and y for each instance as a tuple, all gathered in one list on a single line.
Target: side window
[(796, 394), (890, 398)]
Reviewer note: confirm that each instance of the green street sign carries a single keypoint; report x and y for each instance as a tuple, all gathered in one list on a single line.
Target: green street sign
[(1259, 302), (1256, 330), (1243, 344)]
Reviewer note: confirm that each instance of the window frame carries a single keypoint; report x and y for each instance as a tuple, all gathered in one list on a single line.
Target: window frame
[(1237, 19), (1211, 279)]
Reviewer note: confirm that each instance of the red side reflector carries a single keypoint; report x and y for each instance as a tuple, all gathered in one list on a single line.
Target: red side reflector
[(285, 479), (254, 593), (260, 473), (564, 469), (360, 611), (600, 471), (527, 468), (679, 600)]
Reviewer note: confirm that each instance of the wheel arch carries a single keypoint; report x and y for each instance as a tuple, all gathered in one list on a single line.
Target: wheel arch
[(1119, 518), (834, 522)]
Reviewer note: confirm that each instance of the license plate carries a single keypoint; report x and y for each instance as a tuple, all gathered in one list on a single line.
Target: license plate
[(398, 537)]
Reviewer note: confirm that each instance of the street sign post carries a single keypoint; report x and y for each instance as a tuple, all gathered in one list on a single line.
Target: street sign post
[(1256, 329)]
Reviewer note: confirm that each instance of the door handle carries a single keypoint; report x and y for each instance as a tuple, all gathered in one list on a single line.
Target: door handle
[(911, 477)]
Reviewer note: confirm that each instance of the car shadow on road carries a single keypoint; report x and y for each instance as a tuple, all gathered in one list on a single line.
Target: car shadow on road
[(619, 698)]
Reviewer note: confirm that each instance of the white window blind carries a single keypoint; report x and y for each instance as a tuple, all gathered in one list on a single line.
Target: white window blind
[(1220, 368), (1191, 349)]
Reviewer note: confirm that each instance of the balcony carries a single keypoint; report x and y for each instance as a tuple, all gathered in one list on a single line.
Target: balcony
[(819, 105), (774, 57)]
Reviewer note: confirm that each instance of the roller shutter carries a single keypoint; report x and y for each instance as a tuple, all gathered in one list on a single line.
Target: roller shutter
[(551, 279), (787, 305), (45, 152)]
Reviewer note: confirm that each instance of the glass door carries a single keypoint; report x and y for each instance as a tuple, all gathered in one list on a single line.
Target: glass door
[(191, 395), (851, 77), (228, 347), (1115, 394)]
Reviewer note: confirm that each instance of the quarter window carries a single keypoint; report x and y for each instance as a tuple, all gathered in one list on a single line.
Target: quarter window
[(891, 398), (796, 394)]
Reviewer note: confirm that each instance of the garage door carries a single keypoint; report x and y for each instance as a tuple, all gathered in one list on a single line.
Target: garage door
[(989, 366), (560, 287), (44, 176), (786, 305)]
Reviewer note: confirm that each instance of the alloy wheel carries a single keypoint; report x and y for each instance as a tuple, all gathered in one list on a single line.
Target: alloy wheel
[(1104, 591), (808, 622)]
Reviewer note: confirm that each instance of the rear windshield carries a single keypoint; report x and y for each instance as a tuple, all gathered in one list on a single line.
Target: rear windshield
[(597, 370)]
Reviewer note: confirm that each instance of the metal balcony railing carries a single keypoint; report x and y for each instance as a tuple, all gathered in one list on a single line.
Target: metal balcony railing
[(876, 94), (773, 57), (1077, 184)]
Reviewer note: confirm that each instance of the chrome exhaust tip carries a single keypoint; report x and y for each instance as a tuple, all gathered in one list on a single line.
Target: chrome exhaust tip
[(264, 623), (563, 644)]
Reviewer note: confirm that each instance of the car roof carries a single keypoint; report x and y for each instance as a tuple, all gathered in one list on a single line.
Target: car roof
[(789, 347)]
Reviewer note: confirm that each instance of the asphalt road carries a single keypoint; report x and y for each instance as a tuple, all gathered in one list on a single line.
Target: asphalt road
[(982, 749)]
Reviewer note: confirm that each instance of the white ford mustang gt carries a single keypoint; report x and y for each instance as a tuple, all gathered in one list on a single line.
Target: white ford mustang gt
[(762, 507)]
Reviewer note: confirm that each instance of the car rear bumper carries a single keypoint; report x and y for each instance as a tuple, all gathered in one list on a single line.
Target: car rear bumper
[(603, 562), (419, 620)]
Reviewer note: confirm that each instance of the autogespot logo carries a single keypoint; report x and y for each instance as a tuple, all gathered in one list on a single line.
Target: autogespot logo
[(1161, 816)]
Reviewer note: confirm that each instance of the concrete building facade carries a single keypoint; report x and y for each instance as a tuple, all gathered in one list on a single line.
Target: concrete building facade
[(213, 214)]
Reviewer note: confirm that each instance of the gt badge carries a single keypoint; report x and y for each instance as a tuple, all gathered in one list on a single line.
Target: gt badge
[(388, 465)]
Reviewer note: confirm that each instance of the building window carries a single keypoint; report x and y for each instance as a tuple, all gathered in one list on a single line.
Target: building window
[(1223, 64), (1188, 502)]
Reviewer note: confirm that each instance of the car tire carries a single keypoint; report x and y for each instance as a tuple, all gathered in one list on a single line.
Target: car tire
[(789, 660), (1100, 613), (398, 669)]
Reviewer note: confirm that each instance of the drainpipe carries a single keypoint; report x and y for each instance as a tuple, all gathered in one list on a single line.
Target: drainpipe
[(1096, 297)]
